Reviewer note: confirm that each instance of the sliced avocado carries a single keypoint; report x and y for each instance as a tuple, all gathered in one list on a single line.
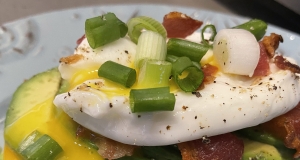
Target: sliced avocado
[(33, 92), (256, 133), (64, 86), (259, 151)]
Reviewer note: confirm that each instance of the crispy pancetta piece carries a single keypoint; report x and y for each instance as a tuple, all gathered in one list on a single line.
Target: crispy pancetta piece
[(284, 64), (271, 43), (221, 147), (179, 25)]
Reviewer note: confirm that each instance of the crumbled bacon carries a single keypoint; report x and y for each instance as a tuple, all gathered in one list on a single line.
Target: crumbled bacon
[(271, 43), (262, 68), (284, 64), (108, 148), (221, 147), (71, 59), (287, 128), (80, 39), (179, 25), (209, 73), (111, 149)]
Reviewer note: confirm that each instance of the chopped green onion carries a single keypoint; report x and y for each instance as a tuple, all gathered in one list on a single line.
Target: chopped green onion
[(137, 25), (29, 140), (213, 34), (43, 148), (154, 73), (180, 48), (151, 45), (257, 27), (172, 59), (186, 75), (104, 29), (117, 73), (151, 100)]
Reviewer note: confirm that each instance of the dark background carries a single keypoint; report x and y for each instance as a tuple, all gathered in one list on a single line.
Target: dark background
[(268, 10)]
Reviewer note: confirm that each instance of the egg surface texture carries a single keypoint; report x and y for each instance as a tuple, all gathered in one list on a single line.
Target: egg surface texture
[(230, 103)]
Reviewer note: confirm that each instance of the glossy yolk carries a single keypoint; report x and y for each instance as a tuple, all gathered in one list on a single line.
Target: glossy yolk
[(47, 119), (111, 88), (9, 154)]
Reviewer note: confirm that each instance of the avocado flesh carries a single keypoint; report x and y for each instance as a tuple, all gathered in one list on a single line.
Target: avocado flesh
[(260, 151), (257, 134), (31, 93), (32, 109)]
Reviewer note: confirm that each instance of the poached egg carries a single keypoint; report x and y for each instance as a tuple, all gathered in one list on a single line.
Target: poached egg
[(230, 103)]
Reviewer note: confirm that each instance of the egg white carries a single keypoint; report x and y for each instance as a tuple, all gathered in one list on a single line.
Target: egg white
[(230, 103)]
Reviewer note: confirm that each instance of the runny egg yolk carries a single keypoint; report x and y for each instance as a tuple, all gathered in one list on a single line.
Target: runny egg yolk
[(111, 88), (114, 89), (57, 124)]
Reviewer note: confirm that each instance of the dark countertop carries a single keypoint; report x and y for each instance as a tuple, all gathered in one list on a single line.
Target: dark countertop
[(282, 13)]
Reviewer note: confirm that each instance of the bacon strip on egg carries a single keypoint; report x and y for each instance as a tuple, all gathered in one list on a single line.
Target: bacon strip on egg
[(108, 148), (287, 128), (262, 68), (179, 25), (284, 64), (271, 43), (221, 147)]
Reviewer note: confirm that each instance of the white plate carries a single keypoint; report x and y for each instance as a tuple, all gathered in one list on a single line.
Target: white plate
[(35, 44)]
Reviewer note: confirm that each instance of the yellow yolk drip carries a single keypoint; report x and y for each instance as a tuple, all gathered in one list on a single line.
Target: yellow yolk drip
[(209, 58), (111, 88), (47, 119), (83, 75)]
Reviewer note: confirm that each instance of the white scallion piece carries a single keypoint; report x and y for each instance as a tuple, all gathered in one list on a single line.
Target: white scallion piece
[(236, 51)]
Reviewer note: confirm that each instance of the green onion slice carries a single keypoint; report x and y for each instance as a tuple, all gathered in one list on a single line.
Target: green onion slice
[(151, 100), (180, 48), (43, 148), (139, 24), (172, 59), (154, 73), (186, 75), (213, 33), (151, 45), (104, 29), (117, 73), (256, 26), (29, 140)]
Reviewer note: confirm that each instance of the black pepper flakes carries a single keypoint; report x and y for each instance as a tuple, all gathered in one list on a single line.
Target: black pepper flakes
[(205, 140), (196, 117), (224, 120), (80, 109), (69, 94), (126, 51), (168, 127), (110, 105), (198, 94), (185, 107), (139, 116)]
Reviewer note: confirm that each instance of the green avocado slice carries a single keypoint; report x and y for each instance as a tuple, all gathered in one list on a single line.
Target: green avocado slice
[(32, 92)]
